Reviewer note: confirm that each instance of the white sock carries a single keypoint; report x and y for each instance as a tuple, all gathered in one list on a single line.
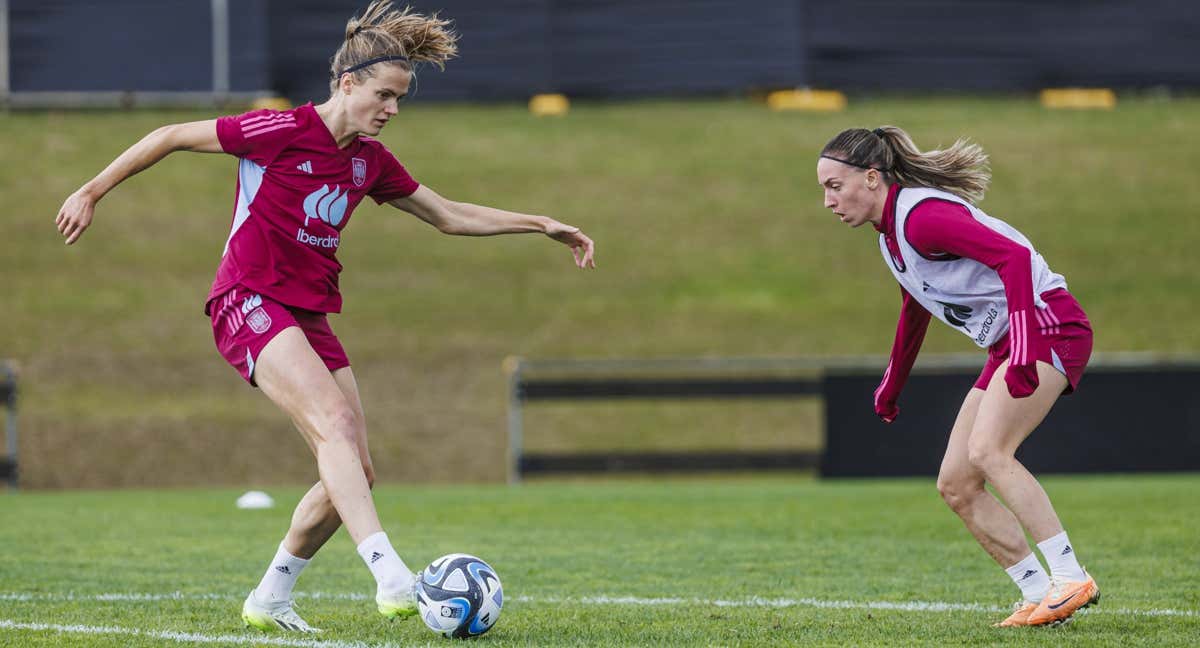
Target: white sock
[(1060, 557), (276, 585), (391, 574), (1031, 578)]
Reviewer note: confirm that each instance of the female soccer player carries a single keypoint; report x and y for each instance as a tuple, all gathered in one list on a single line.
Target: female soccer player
[(300, 175), (983, 278)]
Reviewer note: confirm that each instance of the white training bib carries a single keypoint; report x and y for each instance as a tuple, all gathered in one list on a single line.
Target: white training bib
[(961, 292)]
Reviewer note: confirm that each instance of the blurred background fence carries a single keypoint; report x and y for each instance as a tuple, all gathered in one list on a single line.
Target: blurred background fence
[(8, 399), (68, 52), (1135, 415)]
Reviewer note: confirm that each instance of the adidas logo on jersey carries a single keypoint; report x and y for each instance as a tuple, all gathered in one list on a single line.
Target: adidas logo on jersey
[(306, 166)]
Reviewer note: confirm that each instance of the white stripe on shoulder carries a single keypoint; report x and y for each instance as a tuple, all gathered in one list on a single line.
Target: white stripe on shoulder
[(267, 129), (261, 119)]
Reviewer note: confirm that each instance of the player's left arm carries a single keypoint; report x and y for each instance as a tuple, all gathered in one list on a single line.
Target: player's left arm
[(945, 227), (467, 219)]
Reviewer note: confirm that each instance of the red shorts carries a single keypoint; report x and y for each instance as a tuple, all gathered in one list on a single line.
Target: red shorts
[(1068, 335), (244, 322)]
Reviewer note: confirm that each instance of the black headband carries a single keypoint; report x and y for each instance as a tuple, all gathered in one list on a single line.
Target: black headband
[(861, 166), (878, 132), (381, 59)]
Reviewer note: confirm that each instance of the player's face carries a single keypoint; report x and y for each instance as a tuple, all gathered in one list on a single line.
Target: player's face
[(377, 100), (847, 193)]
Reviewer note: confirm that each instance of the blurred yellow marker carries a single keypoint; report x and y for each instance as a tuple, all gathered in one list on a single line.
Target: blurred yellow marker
[(817, 100), (549, 105), (1102, 98), (272, 103)]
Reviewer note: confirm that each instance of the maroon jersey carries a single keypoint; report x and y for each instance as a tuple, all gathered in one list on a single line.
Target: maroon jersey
[(943, 230), (296, 191)]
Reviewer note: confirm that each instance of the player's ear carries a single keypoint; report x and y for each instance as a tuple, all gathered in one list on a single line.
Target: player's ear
[(346, 83), (872, 179)]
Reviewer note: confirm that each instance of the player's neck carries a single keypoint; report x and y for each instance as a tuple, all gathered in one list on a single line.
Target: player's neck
[(337, 124)]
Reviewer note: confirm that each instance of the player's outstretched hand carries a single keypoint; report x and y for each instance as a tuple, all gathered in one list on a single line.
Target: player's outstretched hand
[(75, 216), (582, 247)]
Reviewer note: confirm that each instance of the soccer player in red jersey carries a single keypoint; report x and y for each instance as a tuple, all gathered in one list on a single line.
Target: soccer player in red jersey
[(983, 278), (301, 173)]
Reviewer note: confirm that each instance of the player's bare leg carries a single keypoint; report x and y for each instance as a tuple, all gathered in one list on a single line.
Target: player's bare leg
[(961, 485), (289, 372), (315, 519), (1002, 423), (326, 410), (997, 530)]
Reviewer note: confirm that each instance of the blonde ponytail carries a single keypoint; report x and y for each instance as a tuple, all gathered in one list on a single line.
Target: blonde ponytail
[(961, 169)]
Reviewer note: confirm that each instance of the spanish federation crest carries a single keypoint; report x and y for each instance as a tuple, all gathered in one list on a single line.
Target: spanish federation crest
[(360, 171)]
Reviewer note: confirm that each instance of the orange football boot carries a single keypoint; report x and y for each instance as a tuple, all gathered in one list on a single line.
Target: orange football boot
[(1020, 616), (1064, 599)]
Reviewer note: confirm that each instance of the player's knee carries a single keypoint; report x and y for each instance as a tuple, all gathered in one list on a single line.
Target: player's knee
[(341, 425), (986, 458), (957, 490)]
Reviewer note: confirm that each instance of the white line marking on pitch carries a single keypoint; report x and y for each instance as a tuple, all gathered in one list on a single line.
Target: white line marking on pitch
[(189, 637), (753, 602)]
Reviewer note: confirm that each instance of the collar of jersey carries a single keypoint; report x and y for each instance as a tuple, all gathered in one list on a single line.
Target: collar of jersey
[(350, 150), (887, 224)]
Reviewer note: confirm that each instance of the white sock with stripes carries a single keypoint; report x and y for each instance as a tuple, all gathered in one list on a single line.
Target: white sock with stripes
[(276, 585), (390, 572), (1060, 557), (1031, 578)]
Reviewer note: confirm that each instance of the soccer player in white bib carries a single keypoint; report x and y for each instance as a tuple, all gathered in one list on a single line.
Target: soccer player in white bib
[(301, 173), (983, 278)]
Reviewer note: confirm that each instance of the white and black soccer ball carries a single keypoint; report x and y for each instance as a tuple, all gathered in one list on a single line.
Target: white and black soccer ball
[(459, 596)]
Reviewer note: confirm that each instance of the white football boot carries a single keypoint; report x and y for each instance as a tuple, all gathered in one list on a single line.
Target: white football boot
[(400, 605), (279, 615)]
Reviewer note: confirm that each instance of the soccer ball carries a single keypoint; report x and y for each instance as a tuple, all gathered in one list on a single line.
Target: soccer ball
[(459, 596)]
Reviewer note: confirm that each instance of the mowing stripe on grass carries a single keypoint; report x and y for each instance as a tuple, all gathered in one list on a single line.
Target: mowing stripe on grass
[(188, 637), (753, 602)]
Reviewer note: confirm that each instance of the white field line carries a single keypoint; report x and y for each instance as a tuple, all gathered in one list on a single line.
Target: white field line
[(753, 602), (255, 639)]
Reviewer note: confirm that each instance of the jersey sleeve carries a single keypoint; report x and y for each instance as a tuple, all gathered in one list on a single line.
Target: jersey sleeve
[(910, 333), (259, 136), (940, 227), (394, 180)]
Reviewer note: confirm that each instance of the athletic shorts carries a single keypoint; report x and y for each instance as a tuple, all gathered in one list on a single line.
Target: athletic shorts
[(244, 322), (1068, 335)]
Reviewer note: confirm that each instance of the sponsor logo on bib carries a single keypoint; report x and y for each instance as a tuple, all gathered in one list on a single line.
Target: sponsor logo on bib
[(956, 314), (328, 206)]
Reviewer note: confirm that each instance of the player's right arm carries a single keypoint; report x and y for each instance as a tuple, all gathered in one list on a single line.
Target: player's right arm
[(76, 213), (910, 333)]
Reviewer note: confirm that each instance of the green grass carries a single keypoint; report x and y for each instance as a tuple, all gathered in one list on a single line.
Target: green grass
[(711, 241), (555, 544)]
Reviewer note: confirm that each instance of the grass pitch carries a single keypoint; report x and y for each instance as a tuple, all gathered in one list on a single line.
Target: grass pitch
[(734, 561), (711, 241)]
